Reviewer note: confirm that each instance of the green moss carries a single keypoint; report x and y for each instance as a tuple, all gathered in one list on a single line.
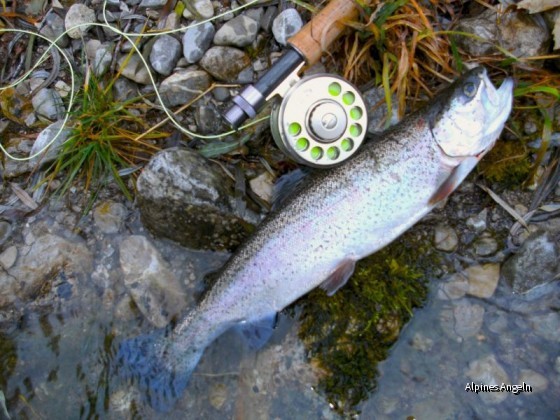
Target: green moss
[(347, 334), (507, 163)]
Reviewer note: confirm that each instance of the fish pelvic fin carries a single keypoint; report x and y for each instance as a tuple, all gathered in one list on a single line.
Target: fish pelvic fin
[(457, 175), (339, 276), (150, 362)]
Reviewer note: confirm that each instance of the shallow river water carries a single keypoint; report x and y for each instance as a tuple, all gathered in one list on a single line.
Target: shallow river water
[(55, 359)]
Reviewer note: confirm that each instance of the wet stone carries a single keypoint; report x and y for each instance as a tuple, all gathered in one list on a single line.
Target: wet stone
[(483, 279), (78, 14), (547, 326), (225, 63), (478, 222), (445, 238), (109, 216), (46, 138), (535, 263), (188, 199), (48, 103), (165, 53), (421, 343), (149, 281), (488, 371), (238, 32), (5, 231), (183, 86), (286, 25), (462, 321), (455, 288), (534, 379), (197, 40), (485, 246), (8, 257)]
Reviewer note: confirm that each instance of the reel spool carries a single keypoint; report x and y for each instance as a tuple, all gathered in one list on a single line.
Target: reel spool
[(321, 121)]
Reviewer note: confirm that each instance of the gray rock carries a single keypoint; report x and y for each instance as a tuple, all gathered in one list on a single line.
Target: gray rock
[(535, 263), (184, 197), (124, 90), (39, 262), (478, 222), (483, 279), (445, 238), (557, 365), (246, 75), (225, 63), (5, 231), (255, 13), (152, 4), (48, 103), (547, 326), (150, 282), (165, 53), (109, 216), (238, 32), (286, 25), (78, 14), (488, 371), (197, 40), (485, 246), (263, 186), (208, 120), (268, 17), (8, 257), (46, 138), (377, 110), (515, 31), (537, 381), (464, 320), (103, 58), (54, 28), (135, 69), (203, 8), (221, 94), (455, 288), (184, 86)]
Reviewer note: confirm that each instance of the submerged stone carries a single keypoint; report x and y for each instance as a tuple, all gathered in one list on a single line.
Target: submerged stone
[(150, 282), (186, 198), (488, 371)]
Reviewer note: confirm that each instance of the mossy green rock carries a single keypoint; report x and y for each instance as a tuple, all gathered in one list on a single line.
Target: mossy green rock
[(185, 197)]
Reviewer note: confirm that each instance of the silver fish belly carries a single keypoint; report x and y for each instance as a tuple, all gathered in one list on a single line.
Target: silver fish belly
[(335, 219)]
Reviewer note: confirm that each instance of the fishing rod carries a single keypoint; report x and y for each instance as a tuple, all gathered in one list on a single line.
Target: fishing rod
[(321, 119)]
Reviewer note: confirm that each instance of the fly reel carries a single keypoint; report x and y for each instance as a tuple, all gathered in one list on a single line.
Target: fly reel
[(320, 122)]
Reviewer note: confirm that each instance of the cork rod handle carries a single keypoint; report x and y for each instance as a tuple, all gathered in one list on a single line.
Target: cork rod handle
[(314, 38)]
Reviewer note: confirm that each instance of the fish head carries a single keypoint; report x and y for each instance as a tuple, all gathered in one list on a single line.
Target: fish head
[(469, 116)]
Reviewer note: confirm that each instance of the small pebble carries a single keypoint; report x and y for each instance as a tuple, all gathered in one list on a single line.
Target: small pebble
[(478, 222), (537, 381), (483, 279), (77, 15), (8, 257), (285, 25), (485, 246), (445, 238)]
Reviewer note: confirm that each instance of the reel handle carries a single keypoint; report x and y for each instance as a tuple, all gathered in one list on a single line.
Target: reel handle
[(314, 38), (306, 47)]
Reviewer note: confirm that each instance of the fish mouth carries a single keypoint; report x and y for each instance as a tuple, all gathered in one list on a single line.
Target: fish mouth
[(497, 102)]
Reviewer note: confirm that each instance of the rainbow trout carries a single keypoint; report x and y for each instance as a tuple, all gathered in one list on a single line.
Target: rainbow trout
[(334, 219)]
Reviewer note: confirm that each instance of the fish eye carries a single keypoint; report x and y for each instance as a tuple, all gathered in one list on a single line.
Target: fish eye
[(469, 89)]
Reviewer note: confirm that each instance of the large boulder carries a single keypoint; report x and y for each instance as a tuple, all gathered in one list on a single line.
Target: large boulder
[(185, 197)]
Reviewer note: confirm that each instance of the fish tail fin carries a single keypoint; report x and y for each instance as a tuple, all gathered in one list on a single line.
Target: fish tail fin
[(158, 368)]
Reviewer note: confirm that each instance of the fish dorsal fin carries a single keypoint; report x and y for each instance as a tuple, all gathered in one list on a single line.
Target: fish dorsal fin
[(286, 185), (456, 176), (258, 332), (339, 277)]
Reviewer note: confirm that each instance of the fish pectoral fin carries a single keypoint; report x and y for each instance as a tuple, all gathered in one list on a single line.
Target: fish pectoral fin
[(457, 175), (338, 277), (258, 332)]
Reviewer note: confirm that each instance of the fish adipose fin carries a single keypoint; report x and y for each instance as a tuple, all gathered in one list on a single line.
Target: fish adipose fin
[(141, 359), (257, 333), (339, 277), (457, 175)]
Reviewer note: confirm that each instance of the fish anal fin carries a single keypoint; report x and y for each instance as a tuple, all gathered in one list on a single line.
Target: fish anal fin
[(257, 333), (339, 277), (456, 176)]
